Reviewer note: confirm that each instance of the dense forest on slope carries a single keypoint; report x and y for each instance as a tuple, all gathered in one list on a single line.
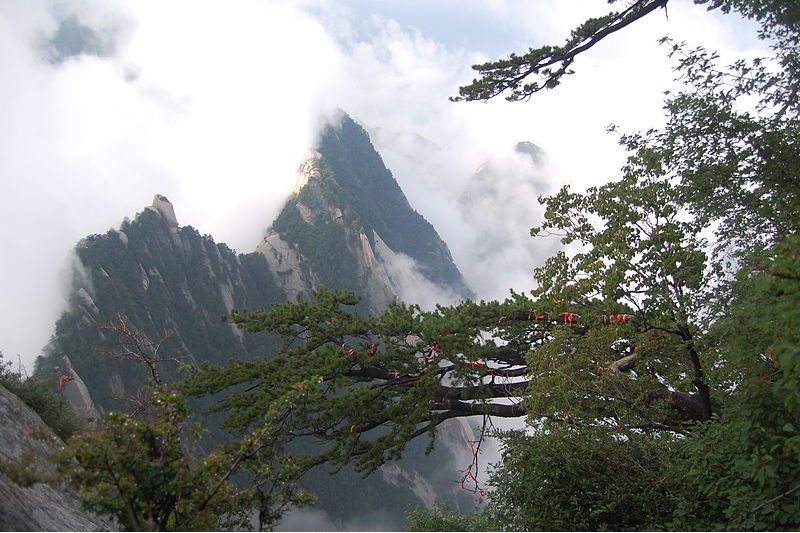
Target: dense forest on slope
[(168, 281), (368, 186)]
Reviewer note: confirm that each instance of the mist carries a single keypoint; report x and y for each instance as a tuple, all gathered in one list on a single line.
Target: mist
[(311, 519), (177, 99), (111, 102)]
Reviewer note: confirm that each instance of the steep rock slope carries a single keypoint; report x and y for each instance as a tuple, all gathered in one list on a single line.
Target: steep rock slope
[(39, 507), (167, 280)]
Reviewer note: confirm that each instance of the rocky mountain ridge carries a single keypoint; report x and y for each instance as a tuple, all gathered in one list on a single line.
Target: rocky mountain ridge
[(347, 206), (169, 281), (346, 226)]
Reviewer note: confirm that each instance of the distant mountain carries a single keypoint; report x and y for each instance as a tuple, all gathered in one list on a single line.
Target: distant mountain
[(165, 279), (489, 185), (347, 225), (497, 206)]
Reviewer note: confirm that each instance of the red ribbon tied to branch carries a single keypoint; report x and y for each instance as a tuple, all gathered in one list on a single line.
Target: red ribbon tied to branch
[(63, 380)]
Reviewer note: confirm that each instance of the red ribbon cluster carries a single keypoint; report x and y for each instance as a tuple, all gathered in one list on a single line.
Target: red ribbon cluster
[(373, 350), (485, 368), (63, 380), (472, 473), (612, 320), (533, 316)]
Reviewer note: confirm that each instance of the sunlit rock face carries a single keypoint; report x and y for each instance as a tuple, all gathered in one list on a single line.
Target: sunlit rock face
[(348, 225), (167, 211)]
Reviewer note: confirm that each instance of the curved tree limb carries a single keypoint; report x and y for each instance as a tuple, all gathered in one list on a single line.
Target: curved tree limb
[(548, 63)]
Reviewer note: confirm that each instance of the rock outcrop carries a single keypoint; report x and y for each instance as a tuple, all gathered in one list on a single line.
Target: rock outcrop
[(77, 395), (287, 265), (39, 507), (164, 207)]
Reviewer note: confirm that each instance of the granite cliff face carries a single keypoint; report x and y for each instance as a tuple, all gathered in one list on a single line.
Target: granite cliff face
[(167, 280), (293, 252), (39, 507)]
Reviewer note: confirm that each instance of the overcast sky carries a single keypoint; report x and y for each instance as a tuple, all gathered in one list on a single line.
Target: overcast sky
[(214, 104)]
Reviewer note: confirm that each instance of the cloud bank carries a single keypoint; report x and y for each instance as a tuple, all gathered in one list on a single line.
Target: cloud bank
[(111, 102)]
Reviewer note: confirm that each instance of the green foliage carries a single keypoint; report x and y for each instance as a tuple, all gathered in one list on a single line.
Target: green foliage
[(139, 471), (568, 477), (443, 518), (717, 322), (742, 469), (361, 385), (639, 251)]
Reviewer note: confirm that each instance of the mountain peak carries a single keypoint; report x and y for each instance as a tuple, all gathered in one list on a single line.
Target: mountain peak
[(164, 207), (346, 208), (535, 152)]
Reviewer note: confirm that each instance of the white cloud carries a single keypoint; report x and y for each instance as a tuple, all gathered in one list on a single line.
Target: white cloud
[(215, 106), (414, 288)]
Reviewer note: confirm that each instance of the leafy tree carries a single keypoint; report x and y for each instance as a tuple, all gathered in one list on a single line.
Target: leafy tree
[(367, 385), (722, 316), (137, 472), (657, 364), (742, 469), (144, 470)]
